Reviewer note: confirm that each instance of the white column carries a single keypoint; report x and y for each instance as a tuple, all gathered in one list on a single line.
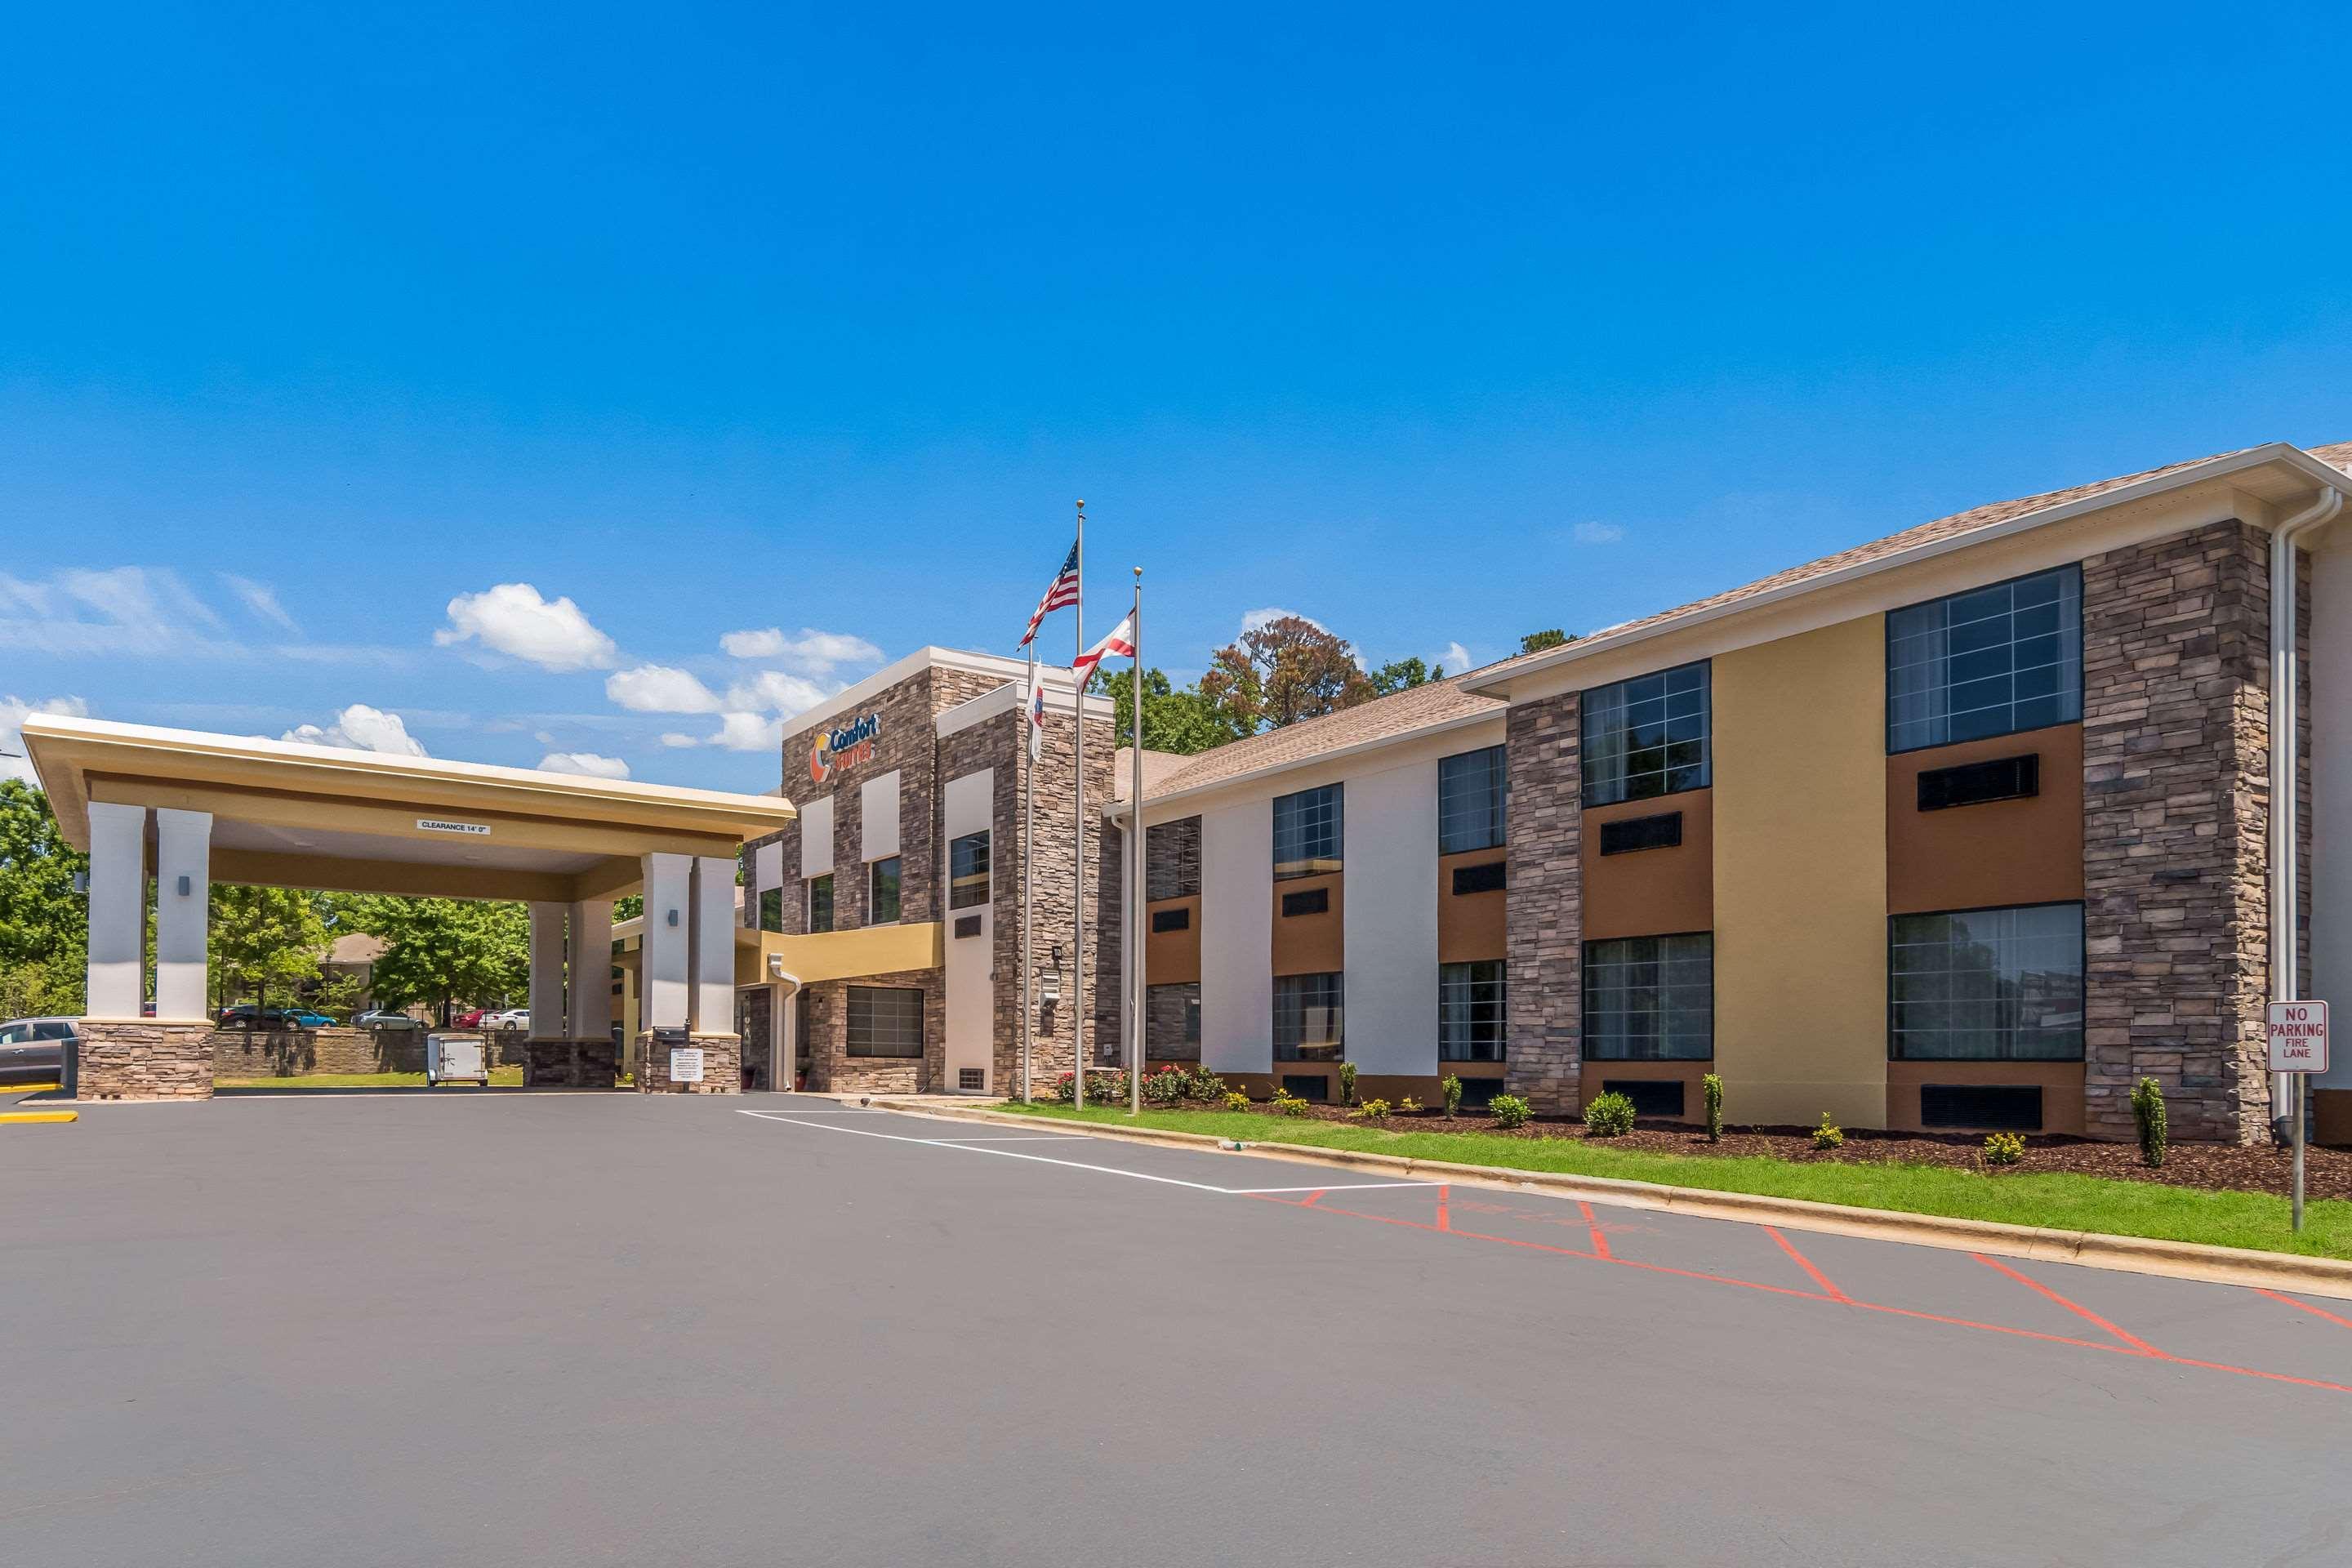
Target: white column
[(714, 946), (183, 845), (589, 965), (661, 973), (118, 876), (547, 971)]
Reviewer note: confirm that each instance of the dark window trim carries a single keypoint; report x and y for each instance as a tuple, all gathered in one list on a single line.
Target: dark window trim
[(1624, 826), (1478, 878), (1712, 1020), (1171, 920), (1887, 661), (1306, 901), (2082, 904), (1583, 702), (2026, 766)]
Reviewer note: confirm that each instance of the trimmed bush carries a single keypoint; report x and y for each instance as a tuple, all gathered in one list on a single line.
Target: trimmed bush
[(1509, 1110), (1236, 1100), (2003, 1148), (1372, 1109), (1711, 1089), (2147, 1110), (1347, 1083), (1410, 1106), (1452, 1090), (1285, 1103), (1609, 1115), (1828, 1135)]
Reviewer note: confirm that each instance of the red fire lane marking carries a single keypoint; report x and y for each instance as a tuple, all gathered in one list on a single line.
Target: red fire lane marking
[(1805, 1263), (2088, 1316), (1600, 1242), (2304, 1307)]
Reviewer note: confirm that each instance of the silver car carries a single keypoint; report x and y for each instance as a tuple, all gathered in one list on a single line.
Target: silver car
[(32, 1050)]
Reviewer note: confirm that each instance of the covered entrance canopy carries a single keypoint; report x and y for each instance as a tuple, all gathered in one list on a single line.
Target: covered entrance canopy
[(190, 808)]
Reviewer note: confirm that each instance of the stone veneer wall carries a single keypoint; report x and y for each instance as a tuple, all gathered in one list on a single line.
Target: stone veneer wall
[(1171, 860), (145, 1060), (573, 1064), (2175, 798), (1545, 826), (722, 1066), (832, 1067), (290, 1053)]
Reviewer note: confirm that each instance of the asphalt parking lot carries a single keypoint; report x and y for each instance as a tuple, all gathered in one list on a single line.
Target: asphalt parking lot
[(542, 1329)]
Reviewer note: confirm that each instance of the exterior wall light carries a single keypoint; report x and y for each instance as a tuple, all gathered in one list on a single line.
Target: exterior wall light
[(1049, 982), (183, 886), (673, 917)]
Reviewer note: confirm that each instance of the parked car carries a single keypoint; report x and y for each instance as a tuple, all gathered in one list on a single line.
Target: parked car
[(512, 1018), (246, 1015), (468, 1020), (307, 1018), (382, 1018), (32, 1050)]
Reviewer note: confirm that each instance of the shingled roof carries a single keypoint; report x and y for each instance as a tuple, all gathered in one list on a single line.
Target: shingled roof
[(1429, 706)]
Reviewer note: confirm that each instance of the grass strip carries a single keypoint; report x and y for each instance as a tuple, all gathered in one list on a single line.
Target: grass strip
[(2054, 1200)]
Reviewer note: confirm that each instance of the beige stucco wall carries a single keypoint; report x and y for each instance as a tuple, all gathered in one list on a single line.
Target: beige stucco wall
[(1801, 877)]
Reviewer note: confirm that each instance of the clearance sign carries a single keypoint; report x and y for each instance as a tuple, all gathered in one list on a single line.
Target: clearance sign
[(844, 746), (2298, 1037)]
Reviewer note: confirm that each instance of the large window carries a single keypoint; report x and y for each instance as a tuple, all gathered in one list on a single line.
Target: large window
[(1991, 661), (967, 870), (1171, 1022), (1648, 736), (820, 897), (1987, 986), (1650, 999), (1308, 832), (1472, 790), (772, 909), (885, 1021), (883, 908), (1470, 999), (1308, 1018)]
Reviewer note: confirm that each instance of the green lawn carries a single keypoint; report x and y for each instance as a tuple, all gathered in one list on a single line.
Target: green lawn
[(509, 1076), (2058, 1202)]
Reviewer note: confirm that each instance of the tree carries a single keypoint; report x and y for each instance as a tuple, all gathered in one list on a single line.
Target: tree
[(262, 938), (1535, 642), (443, 950), (1403, 675), (44, 923), (1286, 671), (1185, 723)]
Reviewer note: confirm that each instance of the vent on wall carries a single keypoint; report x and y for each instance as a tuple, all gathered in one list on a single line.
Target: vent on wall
[(1488, 878), (1171, 920), (1312, 901), (972, 1079), (1650, 1096), (1974, 783), (1989, 1107), (1627, 834), (1301, 1086), (967, 925), (1478, 1093)]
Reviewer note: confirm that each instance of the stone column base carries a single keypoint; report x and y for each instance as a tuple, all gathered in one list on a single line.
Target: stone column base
[(571, 1064), (722, 1065), (145, 1059)]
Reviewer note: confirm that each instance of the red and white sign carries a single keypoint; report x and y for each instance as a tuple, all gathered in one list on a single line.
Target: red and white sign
[(2298, 1037)]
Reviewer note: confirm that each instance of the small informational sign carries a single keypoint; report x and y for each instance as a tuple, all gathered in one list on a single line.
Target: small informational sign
[(435, 825), (686, 1064), (2298, 1037)]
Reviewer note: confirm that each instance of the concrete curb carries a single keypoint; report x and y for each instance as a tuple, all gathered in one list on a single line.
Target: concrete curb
[(2121, 1254)]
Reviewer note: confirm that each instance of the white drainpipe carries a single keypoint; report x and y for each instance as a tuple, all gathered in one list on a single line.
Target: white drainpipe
[(2285, 805)]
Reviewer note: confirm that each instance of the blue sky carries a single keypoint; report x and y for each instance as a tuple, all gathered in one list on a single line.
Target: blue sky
[(341, 346)]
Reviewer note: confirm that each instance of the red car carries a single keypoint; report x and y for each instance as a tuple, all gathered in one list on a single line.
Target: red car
[(472, 1020)]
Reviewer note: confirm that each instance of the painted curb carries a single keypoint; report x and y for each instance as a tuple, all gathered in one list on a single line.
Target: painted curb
[(2091, 1250), (24, 1116)]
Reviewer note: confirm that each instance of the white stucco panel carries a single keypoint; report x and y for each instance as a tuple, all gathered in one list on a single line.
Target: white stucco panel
[(1391, 898), (767, 867), (1238, 938), (816, 838), (877, 806)]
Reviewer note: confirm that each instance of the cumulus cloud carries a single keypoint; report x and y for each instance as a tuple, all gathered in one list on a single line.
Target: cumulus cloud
[(673, 738), (774, 692), (1597, 533), (737, 731), (586, 763), (261, 599), (513, 619), (1256, 619), (1454, 658), (659, 689), (361, 727), (811, 653), (14, 712)]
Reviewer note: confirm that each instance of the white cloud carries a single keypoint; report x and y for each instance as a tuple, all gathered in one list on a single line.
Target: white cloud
[(1256, 619), (737, 731), (811, 653), (586, 763), (1597, 533), (121, 610), (513, 619), (14, 712), (261, 599), (361, 727), (1456, 658), (658, 688), (773, 691), (673, 738)]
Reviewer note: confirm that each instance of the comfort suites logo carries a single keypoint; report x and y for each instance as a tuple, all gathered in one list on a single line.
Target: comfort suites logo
[(845, 747)]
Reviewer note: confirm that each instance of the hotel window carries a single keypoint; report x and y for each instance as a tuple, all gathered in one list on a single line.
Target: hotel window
[(1648, 736), (1470, 1011), (885, 1021), (967, 870), (1171, 1022), (1472, 790), (1991, 661), (1308, 1018), (1986, 985), (883, 910), (1650, 999), (820, 897), (1307, 831), (772, 909)]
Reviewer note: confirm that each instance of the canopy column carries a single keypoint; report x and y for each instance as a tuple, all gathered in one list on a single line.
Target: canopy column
[(123, 1055), (183, 841), (118, 933)]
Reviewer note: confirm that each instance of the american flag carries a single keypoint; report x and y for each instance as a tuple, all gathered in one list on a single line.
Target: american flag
[(1122, 641), (1061, 595)]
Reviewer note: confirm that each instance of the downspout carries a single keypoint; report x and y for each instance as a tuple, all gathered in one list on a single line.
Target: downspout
[(2286, 783), (779, 1027)]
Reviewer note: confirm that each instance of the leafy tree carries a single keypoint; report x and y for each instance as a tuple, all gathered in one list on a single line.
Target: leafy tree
[(44, 923), (264, 938), (1403, 675), (1185, 722), (628, 907), (1286, 671), (1535, 642), (444, 950)]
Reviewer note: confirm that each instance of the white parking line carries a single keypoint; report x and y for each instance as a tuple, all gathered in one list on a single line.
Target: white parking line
[(967, 1146)]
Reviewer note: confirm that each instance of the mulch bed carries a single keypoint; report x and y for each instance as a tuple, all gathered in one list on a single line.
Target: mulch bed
[(2261, 1168)]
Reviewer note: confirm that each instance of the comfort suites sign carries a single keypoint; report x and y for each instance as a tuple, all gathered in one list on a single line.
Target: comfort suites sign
[(843, 746)]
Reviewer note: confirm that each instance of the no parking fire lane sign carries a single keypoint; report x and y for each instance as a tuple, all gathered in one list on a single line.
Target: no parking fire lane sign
[(2298, 1037)]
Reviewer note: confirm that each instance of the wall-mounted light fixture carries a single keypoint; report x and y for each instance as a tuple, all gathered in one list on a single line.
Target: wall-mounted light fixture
[(673, 917), (82, 882), (1049, 982), (183, 886)]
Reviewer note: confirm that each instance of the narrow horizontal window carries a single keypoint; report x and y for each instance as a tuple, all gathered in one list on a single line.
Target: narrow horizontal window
[(1171, 920), (1650, 1096), (1974, 783), (1312, 901), (1991, 1107), (1626, 835), (1486, 878), (1316, 1087)]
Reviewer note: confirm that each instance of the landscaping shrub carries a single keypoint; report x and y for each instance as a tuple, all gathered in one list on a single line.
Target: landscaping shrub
[(1165, 1087), (1410, 1106), (1711, 1086), (2147, 1110), (1509, 1110), (1288, 1104), (1609, 1115), (1236, 1100), (1373, 1109), (1179, 1084), (2003, 1148), (1452, 1090), (1347, 1083), (1828, 1135)]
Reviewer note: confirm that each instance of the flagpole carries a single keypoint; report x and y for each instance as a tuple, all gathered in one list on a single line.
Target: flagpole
[(1078, 713), (1135, 835), (1028, 835)]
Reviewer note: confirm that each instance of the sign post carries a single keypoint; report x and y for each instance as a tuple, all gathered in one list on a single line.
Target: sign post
[(2298, 1034)]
